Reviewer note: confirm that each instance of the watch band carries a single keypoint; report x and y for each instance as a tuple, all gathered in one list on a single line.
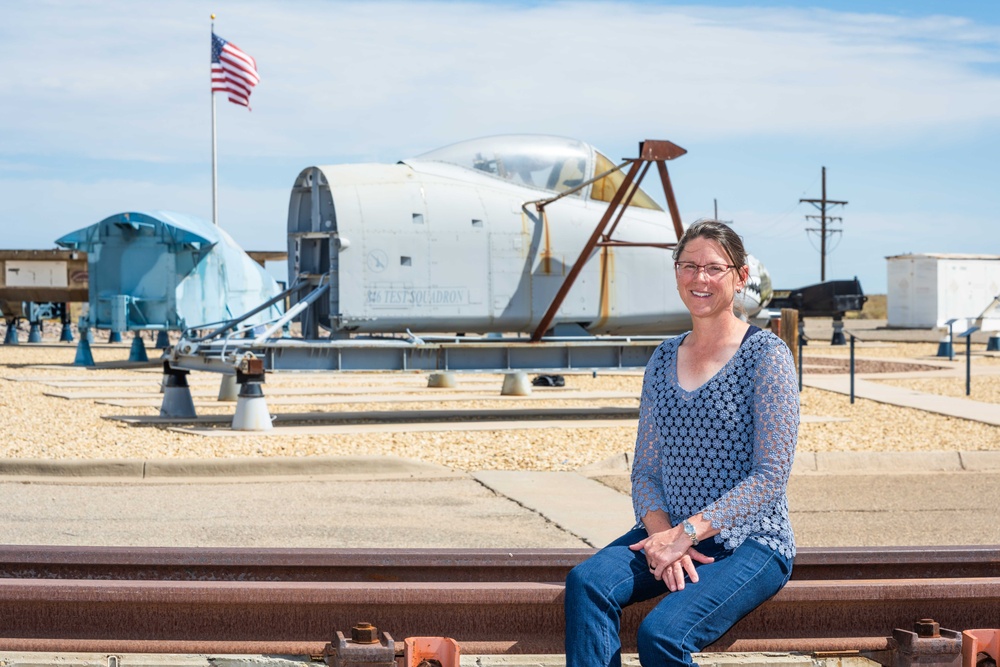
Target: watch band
[(690, 531)]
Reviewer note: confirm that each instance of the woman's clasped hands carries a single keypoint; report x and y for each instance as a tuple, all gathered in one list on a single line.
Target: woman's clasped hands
[(670, 555)]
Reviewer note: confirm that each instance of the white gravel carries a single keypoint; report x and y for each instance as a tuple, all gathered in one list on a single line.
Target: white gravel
[(44, 427)]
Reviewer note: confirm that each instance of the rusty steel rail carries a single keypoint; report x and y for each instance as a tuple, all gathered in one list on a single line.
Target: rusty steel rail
[(292, 601), (542, 565)]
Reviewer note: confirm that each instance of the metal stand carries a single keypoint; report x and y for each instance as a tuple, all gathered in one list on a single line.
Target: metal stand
[(650, 152), (11, 337), (114, 336), (516, 384), (228, 391), (177, 400), (441, 381), (84, 357), (35, 333), (251, 407), (945, 348), (838, 332), (138, 351), (993, 344), (162, 340)]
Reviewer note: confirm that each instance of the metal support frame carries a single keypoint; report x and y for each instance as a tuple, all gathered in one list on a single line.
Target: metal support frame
[(433, 355), (650, 151)]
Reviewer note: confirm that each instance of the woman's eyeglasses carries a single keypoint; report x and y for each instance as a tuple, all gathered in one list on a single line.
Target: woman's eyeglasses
[(690, 269)]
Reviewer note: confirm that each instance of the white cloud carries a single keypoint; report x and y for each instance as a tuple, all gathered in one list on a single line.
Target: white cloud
[(124, 80)]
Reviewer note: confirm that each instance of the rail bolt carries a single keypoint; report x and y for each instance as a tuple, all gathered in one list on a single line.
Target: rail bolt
[(364, 633), (927, 627)]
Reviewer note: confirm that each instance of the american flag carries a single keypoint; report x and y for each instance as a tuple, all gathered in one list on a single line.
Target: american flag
[(233, 71)]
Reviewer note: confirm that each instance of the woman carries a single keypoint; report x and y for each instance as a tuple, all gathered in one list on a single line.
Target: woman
[(718, 421)]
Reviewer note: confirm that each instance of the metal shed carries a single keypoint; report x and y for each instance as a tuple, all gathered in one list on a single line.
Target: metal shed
[(927, 290), (161, 270)]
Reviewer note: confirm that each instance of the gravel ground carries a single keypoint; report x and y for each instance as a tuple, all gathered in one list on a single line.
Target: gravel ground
[(39, 426)]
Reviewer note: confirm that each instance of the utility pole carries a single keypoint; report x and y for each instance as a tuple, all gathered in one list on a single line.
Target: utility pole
[(823, 218)]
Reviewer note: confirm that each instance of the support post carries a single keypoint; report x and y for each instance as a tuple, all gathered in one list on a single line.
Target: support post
[(177, 400), (84, 357), (66, 335), (251, 407), (649, 151), (11, 337), (138, 351)]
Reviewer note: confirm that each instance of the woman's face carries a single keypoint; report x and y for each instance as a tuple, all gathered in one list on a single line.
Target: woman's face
[(704, 294)]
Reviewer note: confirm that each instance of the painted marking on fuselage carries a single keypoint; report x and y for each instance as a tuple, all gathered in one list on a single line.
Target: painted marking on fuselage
[(405, 297)]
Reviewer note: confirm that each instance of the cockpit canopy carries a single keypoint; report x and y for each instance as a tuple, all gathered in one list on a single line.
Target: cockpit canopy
[(557, 164)]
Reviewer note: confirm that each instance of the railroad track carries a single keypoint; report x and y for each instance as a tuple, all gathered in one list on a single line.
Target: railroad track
[(292, 601)]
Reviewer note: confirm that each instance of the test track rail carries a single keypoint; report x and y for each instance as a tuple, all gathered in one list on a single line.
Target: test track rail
[(292, 601)]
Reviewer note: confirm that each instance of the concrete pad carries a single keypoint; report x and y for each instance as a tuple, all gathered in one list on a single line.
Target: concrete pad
[(886, 462), (308, 512), (980, 461), (582, 507), (962, 408), (369, 467), (398, 427), (390, 398), (805, 462), (71, 468)]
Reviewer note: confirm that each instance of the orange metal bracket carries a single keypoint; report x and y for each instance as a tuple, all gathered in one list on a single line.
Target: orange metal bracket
[(650, 151)]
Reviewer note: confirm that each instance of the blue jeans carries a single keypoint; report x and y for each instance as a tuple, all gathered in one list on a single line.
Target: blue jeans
[(682, 622)]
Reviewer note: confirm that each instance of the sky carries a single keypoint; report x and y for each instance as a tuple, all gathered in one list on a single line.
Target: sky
[(105, 107)]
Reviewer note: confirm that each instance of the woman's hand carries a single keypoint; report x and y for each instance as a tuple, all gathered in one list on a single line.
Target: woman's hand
[(670, 554)]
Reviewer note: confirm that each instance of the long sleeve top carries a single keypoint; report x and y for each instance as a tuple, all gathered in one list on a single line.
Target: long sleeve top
[(725, 449)]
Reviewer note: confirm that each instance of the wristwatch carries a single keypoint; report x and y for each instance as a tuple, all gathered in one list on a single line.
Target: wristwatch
[(690, 532)]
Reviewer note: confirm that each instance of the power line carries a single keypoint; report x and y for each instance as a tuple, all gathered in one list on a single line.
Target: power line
[(823, 229)]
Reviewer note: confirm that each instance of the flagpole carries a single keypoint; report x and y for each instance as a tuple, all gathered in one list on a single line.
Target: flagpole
[(215, 173)]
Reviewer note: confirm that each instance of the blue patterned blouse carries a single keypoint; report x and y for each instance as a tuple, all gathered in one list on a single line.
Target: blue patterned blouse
[(724, 449)]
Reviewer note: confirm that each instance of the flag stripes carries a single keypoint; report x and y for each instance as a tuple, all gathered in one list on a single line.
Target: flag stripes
[(233, 71)]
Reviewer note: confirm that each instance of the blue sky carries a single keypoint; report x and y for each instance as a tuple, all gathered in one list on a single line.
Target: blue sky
[(105, 108)]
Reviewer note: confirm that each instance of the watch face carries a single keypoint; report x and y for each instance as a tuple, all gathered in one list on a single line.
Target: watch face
[(690, 531)]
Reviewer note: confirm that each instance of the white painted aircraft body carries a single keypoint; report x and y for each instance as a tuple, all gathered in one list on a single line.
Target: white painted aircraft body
[(451, 241)]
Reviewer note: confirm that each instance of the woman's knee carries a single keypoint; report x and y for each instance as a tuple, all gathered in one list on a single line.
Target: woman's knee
[(583, 581), (659, 644)]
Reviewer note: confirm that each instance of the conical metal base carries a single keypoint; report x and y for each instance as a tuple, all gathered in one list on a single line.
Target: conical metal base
[(11, 337), (177, 402), (66, 336), (441, 381), (84, 357), (228, 389), (176, 394), (993, 344), (138, 351), (251, 414), (115, 337), (162, 340), (516, 384), (35, 333)]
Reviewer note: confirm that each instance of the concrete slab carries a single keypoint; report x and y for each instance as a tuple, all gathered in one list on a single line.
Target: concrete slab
[(395, 398), (963, 408), (334, 512), (581, 506), (980, 461), (852, 463), (403, 427), (805, 462)]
